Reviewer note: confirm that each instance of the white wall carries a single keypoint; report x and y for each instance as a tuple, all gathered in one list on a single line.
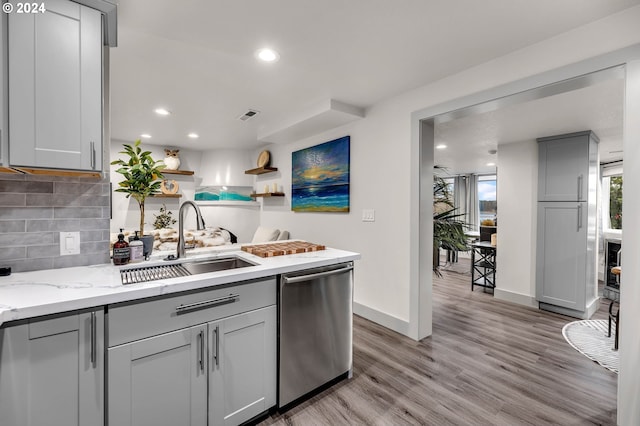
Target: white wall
[(517, 199), (379, 180), (226, 167), (240, 220), (628, 383)]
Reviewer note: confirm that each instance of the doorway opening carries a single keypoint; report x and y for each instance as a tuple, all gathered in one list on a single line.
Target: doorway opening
[(425, 123)]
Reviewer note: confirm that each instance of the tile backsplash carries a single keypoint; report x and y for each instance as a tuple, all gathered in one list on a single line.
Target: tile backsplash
[(35, 209)]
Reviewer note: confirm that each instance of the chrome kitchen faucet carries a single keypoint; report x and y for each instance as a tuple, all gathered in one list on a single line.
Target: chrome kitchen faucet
[(200, 225)]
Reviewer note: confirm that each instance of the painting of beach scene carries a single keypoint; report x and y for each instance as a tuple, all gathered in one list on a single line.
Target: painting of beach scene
[(320, 177)]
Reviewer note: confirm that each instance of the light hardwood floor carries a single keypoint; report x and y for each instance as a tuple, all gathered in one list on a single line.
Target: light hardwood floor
[(487, 363)]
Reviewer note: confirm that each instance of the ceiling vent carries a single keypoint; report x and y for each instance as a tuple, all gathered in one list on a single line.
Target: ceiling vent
[(249, 114)]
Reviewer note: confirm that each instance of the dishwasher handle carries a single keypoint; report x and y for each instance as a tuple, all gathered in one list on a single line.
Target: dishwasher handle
[(308, 277)]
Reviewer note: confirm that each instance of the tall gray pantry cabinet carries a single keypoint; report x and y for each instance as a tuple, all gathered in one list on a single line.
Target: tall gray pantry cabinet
[(566, 262), (55, 87), (52, 371)]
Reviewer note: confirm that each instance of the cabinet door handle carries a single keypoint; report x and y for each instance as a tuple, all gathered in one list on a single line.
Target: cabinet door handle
[(580, 180), (201, 347), (93, 155), (92, 343), (579, 216), (216, 353), (206, 303)]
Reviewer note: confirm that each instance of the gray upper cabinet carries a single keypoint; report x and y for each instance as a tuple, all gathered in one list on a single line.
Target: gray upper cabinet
[(564, 172), (55, 87), (52, 371)]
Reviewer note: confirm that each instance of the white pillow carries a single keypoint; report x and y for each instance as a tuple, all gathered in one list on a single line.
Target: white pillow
[(263, 235), (284, 235)]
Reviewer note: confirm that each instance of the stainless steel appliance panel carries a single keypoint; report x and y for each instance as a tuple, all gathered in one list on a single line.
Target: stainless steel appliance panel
[(316, 322)]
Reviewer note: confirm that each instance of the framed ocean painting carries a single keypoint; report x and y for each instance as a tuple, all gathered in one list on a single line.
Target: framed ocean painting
[(320, 177)]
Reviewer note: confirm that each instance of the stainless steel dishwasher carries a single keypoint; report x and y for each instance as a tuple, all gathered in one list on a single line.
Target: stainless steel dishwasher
[(315, 329)]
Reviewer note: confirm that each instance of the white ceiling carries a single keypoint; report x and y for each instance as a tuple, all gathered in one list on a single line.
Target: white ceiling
[(469, 139), (196, 58)]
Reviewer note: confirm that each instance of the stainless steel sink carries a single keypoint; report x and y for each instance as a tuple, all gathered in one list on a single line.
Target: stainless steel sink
[(174, 270), (213, 265)]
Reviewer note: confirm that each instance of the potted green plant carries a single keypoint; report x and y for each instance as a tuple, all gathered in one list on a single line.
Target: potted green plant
[(164, 219), (142, 176), (448, 229)]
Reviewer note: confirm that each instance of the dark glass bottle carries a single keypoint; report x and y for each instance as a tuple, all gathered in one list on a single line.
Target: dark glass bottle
[(121, 251)]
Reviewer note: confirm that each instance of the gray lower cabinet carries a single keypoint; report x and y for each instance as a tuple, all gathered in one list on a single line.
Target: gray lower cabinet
[(52, 371), (242, 381), (200, 358), (161, 380), (55, 87), (562, 254)]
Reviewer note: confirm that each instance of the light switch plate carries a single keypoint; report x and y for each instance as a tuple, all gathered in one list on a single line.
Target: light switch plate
[(368, 215), (69, 243)]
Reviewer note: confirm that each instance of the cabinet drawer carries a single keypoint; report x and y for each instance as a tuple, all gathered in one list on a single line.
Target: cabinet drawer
[(141, 319)]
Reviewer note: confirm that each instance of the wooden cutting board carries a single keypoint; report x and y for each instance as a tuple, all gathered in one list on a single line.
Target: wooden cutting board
[(281, 248)]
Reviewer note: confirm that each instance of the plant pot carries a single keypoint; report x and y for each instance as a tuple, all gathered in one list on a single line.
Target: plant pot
[(147, 244)]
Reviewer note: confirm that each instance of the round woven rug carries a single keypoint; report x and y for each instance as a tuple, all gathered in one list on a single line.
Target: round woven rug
[(589, 337)]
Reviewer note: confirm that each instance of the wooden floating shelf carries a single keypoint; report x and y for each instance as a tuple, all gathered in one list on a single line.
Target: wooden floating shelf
[(261, 170), (9, 170), (268, 194), (178, 172), (52, 172), (166, 195)]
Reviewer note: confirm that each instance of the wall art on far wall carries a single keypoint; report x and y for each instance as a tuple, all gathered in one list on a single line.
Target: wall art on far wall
[(320, 177), (223, 193)]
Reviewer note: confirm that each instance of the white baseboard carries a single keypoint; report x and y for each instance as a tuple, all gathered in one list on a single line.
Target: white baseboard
[(385, 320), (513, 297), (590, 309)]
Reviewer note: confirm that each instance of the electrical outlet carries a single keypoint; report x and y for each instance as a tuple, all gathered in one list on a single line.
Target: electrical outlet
[(368, 215), (69, 243)]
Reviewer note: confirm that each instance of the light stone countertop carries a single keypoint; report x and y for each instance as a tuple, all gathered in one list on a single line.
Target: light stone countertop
[(32, 294)]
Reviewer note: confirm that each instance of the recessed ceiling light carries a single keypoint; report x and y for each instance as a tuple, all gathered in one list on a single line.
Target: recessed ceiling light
[(441, 146), (162, 111), (267, 55), (491, 164), (145, 136), (193, 135)]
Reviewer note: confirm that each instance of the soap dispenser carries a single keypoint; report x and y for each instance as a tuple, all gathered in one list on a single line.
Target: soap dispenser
[(137, 249), (121, 251)]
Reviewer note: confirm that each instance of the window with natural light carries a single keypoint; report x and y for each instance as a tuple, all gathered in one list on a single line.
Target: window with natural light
[(450, 188), (487, 201), (612, 203)]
